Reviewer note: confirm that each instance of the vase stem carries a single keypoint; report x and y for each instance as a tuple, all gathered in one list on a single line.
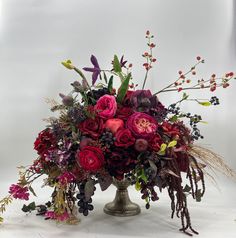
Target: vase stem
[(122, 205)]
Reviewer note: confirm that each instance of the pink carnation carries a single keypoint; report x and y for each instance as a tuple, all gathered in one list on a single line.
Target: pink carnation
[(66, 178), (19, 192), (106, 106)]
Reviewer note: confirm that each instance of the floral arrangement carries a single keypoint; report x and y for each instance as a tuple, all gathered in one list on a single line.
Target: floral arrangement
[(103, 133)]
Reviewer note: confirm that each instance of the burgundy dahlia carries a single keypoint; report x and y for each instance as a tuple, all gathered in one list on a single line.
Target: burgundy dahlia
[(124, 138)]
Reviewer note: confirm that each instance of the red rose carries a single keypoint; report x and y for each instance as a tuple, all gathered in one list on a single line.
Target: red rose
[(114, 124), (92, 127), (155, 142), (142, 125), (91, 158), (124, 138), (106, 106), (123, 112)]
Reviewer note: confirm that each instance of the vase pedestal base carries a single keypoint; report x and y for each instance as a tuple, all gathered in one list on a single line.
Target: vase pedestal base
[(122, 205)]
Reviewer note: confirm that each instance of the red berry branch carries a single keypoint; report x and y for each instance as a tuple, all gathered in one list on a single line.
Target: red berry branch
[(148, 56)]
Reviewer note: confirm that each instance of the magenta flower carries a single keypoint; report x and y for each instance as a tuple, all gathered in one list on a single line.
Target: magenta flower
[(19, 192), (66, 178), (95, 70), (59, 217)]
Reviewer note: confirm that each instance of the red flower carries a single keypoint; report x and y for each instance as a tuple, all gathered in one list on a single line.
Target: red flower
[(119, 162), (92, 127), (45, 141), (106, 106), (91, 158), (123, 112), (155, 142), (142, 125), (170, 129), (114, 124), (124, 138)]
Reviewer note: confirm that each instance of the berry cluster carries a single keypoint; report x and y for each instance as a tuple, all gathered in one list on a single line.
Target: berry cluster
[(214, 101), (107, 139), (84, 205)]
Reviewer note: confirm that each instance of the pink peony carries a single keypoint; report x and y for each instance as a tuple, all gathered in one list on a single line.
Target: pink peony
[(106, 106), (142, 125)]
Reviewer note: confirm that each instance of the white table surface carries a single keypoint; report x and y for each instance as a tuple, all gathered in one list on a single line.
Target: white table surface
[(214, 217)]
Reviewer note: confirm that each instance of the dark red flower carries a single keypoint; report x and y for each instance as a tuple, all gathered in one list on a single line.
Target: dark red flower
[(124, 138), (119, 162), (155, 142), (123, 112), (92, 127), (45, 141), (142, 125), (171, 130), (91, 158)]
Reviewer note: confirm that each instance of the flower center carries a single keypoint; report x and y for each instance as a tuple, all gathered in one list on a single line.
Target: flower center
[(145, 126)]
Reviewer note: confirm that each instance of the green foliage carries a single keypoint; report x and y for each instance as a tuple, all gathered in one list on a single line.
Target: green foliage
[(116, 64), (185, 96), (31, 207), (162, 150), (187, 188), (105, 182), (173, 143), (206, 104), (89, 189), (123, 88), (110, 84), (137, 186)]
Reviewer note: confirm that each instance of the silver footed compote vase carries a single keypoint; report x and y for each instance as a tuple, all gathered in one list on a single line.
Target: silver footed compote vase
[(122, 205)]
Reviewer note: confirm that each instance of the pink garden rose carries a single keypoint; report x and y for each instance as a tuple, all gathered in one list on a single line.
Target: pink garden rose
[(106, 106), (142, 125)]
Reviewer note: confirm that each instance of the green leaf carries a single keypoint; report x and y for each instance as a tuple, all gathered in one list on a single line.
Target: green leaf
[(153, 166), (185, 96), (32, 191), (29, 208), (105, 77), (187, 189), (198, 195), (162, 149), (1, 219), (174, 118), (123, 89), (116, 64), (68, 64), (89, 189), (173, 143), (137, 186), (110, 84), (143, 176), (105, 182), (204, 122), (206, 104)]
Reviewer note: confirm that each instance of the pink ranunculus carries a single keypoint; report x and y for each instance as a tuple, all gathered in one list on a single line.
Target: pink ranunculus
[(106, 106), (142, 125)]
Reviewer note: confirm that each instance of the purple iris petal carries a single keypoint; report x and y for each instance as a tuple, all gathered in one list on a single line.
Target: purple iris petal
[(95, 70)]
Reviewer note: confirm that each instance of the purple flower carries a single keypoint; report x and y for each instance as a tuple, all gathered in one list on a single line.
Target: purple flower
[(19, 192), (95, 70)]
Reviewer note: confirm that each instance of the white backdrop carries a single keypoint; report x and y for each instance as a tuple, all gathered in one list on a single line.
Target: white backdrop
[(35, 36)]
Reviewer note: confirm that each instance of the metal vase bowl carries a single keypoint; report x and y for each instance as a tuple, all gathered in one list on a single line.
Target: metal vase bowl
[(122, 205)]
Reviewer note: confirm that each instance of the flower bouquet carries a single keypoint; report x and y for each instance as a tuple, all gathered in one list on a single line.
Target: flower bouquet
[(103, 134)]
